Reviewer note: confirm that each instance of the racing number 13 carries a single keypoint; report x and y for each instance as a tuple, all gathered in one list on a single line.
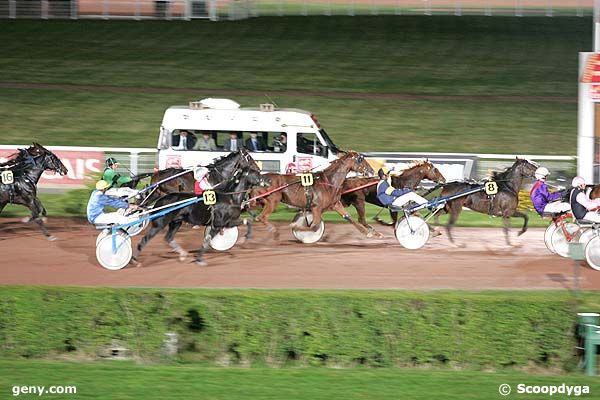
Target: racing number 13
[(210, 197)]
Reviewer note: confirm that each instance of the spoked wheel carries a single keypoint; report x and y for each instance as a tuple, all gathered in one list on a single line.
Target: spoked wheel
[(308, 236), (103, 233), (560, 241), (586, 236), (137, 228), (117, 258), (592, 253), (412, 232), (223, 240), (548, 237)]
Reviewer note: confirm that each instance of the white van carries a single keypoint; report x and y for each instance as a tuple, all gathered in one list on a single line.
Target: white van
[(212, 123)]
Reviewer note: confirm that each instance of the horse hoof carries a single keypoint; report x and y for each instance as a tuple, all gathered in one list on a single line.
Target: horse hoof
[(136, 263), (379, 235), (45, 220), (196, 227), (52, 238), (520, 233), (201, 263), (25, 220), (182, 258)]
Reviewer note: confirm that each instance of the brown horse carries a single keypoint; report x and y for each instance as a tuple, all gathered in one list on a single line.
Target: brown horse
[(408, 178), (323, 195), (503, 204)]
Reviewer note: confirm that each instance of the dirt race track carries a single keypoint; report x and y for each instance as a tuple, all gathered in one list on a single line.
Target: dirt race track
[(342, 260)]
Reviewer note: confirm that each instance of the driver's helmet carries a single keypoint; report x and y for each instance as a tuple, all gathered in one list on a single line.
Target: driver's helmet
[(578, 181), (110, 161), (102, 184), (383, 172), (541, 173), (200, 173)]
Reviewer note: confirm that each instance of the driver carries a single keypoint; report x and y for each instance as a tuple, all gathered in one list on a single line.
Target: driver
[(389, 195), (544, 201), (99, 199), (201, 180), (581, 205), (118, 183)]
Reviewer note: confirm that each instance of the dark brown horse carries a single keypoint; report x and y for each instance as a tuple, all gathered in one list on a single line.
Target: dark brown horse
[(408, 178), (185, 180), (504, 204), (323, 195), (24, 172)]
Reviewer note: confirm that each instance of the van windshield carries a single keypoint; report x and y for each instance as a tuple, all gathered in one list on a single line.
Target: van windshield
[(328, 141)]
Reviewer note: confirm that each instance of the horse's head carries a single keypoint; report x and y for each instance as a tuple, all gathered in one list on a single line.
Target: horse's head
[(524, 167), (356, 162), (255, 178), (47, 159), (426, 170)]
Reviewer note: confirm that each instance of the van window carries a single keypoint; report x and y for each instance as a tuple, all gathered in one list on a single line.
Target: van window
[(308, 143), (183, 139)]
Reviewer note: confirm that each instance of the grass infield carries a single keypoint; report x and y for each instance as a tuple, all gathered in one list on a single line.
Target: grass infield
[(127, 380)]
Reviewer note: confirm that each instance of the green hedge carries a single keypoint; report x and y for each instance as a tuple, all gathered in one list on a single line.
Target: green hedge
[(276, 328)]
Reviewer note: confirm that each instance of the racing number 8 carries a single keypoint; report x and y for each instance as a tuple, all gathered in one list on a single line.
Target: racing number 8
[(210, 197), (306, 179), (7, 177), (491, 188)]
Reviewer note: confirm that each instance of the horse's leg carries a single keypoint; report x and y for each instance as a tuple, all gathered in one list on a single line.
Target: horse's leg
[(339, 208), (35, 206), (205, 246), (506, 228), (454, 209), (170, 238), (525, 220), (263, 217), (248, 224), (359, 204), (156, 226)]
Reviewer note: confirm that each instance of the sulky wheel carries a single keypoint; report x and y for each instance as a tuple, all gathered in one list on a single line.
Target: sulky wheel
[(225, 239), (103, 233), (308, 236), (117, 257), (592, 253), (412, 232), (586, 235), (562, 236), (548, 237), (133, 230)]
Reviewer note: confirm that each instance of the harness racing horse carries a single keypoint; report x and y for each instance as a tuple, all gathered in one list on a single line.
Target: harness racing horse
[(408, 178), (20, 177), (503, 204), (230, 194), (323, 195), (185, 181)]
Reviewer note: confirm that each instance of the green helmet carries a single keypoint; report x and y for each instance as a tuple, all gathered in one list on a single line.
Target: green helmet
[(110, 161)]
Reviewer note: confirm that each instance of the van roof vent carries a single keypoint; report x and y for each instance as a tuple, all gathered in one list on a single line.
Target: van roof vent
[(267, 107), (218, 104)]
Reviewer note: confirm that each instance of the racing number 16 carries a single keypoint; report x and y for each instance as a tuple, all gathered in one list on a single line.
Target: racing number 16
[(6, 177), (210, 197)]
